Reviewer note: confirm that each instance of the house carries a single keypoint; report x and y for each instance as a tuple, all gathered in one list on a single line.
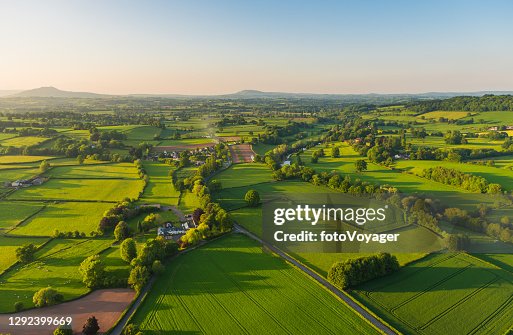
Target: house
[(168, 233), (494, 128), (509, 127), (155, 206)]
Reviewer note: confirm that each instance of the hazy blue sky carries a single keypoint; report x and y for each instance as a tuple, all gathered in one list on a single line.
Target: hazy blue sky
[(223, 46)]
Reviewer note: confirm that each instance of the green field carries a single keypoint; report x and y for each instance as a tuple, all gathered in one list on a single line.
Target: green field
[(444, 294), (498, 175), (185, 142), (65, 217), (82, 189), (247, 290), (159, 189), (23, 141), (451, 115), (12, 213), (90, 171), (56, 266), (239, 175), (9, 245), (22, 159)]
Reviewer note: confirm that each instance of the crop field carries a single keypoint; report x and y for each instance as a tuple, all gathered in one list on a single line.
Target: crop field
[(242, 153), (159, 190), (23, 141), (247, 290), (241, 130), (82, 189), (56, 266), (65, 217), (444, 293)]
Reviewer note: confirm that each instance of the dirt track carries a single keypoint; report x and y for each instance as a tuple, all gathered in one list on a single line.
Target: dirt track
[(106, 305)]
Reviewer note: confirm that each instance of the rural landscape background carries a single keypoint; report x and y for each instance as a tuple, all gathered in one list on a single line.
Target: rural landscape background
[(140, 142)]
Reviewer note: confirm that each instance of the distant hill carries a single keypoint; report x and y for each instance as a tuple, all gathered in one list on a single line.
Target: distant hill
[(46, 92), (52, 92)]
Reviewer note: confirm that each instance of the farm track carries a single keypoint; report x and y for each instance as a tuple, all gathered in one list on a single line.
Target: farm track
[(340, 294)]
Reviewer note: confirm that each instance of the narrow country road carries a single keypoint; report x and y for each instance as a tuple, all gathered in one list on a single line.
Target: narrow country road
[(341, 294)]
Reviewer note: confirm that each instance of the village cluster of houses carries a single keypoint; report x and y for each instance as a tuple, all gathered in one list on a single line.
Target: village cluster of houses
[(496, 128), (25, 182), (175, 155), (171, 232)]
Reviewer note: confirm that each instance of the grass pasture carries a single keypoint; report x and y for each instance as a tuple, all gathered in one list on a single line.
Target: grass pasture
[(451, 115), (9, 245), (23, 141), (444, 294), (22, 159), (65, 217), (111, 190), (94, 171), (56, 266), (247, 290), (12, 213), (159, 189), (239, 175)]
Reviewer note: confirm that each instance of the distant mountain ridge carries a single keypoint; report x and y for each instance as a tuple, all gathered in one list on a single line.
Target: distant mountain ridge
[(52, 92), (49, 91)]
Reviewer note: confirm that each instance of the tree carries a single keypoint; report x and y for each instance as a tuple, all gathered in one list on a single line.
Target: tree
[(131, 329), (91, 326), (93, 271), (252, 198), (80, 159), (128, 250), (335, 152), (138, 277), (121, 231), (46, 297), (18, 306), (44, 166), (157, 267), (63, 330), (25, 254), (360, 165), (457, 242)]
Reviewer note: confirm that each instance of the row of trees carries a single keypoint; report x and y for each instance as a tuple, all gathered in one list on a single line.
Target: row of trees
[(355, 271), (457, 178)]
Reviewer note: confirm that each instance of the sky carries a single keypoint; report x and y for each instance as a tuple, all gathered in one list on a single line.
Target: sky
[(216, 47)]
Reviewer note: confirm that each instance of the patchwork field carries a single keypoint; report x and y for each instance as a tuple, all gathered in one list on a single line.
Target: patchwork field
[(248, 291), (431, 296)]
